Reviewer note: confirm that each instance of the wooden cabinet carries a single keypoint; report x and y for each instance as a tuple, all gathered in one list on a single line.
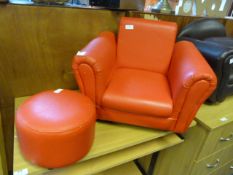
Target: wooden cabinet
[(208, 147), (217, 149)]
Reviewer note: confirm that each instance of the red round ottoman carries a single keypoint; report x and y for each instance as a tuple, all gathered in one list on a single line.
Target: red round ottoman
[(56, 128)]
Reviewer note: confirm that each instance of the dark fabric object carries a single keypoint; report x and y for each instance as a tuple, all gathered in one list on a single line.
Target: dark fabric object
[(209, 36), (203, 28), (104, 3)]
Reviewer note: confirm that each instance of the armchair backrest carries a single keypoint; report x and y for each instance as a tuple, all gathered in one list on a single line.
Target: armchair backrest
[(145, 44)]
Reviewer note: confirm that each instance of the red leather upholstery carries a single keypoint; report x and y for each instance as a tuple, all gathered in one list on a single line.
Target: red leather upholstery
[(55, 129), (150, 80), (92, 71), (125, 93), (191, 81), (147, 37)]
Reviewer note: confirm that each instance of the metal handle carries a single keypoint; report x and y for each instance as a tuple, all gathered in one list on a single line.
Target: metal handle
[(214, 164), (227, 138)]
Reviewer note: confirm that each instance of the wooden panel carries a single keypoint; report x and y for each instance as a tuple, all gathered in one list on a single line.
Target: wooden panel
[(3, 163), (132, 4), (39, 43), (8, 124), (7, 111)]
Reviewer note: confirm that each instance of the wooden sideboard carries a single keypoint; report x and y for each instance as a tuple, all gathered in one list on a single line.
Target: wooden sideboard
[(208, 147)]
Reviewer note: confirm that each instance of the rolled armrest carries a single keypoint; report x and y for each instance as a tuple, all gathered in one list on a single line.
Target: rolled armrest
[(212, 52), (93, 65), (191, 81)]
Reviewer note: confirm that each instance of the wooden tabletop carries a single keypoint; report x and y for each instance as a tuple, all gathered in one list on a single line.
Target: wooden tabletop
[(114, 145)]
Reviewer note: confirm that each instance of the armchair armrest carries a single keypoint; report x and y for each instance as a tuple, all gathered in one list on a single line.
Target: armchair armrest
[(212, 52), (93, 65), (191, 81)]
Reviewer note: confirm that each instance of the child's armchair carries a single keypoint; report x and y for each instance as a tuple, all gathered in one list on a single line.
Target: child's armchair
[(144, 78)]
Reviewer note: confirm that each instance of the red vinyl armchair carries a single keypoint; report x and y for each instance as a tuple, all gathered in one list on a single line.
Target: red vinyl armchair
[(144, 78)]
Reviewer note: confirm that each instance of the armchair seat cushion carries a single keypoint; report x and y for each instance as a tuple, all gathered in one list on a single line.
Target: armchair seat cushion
[(138, 91)]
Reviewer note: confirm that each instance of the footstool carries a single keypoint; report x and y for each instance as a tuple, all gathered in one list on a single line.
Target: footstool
[(55, 128)]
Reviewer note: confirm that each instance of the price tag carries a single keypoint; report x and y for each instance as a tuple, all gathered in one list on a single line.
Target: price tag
[(223, 119), (129, 27), (80, 53), (22, 172), (58, 91)]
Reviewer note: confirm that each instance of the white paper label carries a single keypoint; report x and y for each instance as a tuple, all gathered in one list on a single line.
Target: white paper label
[(21, 172), (129, 27), (80, 53), (57, 91), (223, 119), (231, 61)]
